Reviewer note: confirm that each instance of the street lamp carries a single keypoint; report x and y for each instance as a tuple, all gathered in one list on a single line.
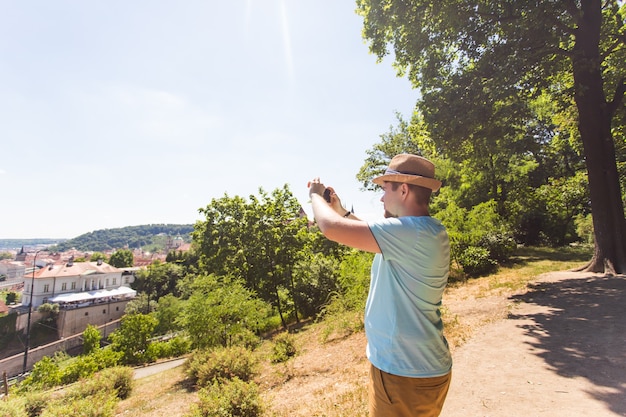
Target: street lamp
[(30, 309)]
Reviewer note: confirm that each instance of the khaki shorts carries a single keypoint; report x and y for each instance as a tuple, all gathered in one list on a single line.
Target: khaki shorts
[(396, 396)]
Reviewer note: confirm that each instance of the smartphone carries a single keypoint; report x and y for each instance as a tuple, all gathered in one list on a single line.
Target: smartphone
[(327, 195)]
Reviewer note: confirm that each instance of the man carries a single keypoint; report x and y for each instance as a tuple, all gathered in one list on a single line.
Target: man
[(410, 360)]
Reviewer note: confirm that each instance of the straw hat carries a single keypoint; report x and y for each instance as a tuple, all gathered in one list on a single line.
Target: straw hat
[(411, 169)]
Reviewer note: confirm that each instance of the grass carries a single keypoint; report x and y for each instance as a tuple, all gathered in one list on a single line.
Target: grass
[(289, 387)]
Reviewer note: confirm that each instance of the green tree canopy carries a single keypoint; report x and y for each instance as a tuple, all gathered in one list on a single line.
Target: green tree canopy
[(221, 312), (122, 258), (133, 337), (258, 240), (482, 66)]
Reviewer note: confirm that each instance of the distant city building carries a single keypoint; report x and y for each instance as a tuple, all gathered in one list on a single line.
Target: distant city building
[(77, 283)]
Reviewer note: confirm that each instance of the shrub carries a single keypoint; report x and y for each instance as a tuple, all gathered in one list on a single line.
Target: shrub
[(77, 368), (232, 398), (499, 245), (117, 381), (221, 364), (45, 374), (91, 339), (284, 348), (476, 261), (584, 228)]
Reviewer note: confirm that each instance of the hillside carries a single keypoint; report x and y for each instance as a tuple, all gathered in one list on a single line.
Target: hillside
[(152, 235)]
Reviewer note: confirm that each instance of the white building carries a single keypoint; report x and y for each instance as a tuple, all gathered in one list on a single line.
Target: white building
[(76, 284), (12, 270)]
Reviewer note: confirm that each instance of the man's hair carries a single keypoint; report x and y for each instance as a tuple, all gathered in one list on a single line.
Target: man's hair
[(422, 194)]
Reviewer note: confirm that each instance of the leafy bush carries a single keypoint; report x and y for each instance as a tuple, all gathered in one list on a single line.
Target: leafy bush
[(232, 398), (476, 261), (499, 245), (84, 366), (221, 364), (584, 228), (284, 348), (91, 339), (343, 315), (77, 368), (117, 381), (45, 374)]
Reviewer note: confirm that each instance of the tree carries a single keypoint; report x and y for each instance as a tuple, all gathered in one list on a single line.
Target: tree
[(122, 258), (221, 313), (479, 66), (133, 337), (91, 339), (158, 279), (258, 240), (96, 256)]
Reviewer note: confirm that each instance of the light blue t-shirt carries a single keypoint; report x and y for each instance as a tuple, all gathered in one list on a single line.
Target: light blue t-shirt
[(402, 318)]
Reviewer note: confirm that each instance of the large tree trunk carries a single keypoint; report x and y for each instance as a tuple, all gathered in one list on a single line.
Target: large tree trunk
[(595, 131)]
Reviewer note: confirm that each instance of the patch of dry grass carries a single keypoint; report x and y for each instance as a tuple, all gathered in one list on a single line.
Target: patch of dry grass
[(166, 394)]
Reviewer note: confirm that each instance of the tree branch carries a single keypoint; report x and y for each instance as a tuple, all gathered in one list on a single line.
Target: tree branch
[(620, 90)]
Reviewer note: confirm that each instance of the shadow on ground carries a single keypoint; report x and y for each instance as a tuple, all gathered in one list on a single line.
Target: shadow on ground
[(583, 332)]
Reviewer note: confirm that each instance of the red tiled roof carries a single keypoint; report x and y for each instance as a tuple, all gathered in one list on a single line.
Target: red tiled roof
[(75, 269)]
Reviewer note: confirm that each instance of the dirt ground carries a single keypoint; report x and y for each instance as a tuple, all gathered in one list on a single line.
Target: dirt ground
[(558, 349), (560, 352)]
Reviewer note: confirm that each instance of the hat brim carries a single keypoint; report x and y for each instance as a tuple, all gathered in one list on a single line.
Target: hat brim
[(426, 182)]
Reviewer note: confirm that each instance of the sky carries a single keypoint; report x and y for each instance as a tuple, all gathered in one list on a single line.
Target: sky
[(117, 113)]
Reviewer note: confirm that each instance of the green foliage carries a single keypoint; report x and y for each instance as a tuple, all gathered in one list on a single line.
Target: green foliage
[(343, 314), (97, 256), (499, 246), (95, 396), (117, 381), (315, 281), (91, 339), (172, 348), (122, 258), (563, 200), (159, 279), (141, 304), (584, 227), (48, 308), (510, 96), (206, 366), (258, 240), (476, 261), (131, 237), (11, 297), (404, 138), (232, 398), (133, 337), (45, 374), (7, 328), (222, 313), (283, 348), (168, 309), (79, 367), (479, 237)]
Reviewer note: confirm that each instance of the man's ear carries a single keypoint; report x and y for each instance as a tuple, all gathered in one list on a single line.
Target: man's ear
[(404, 189)]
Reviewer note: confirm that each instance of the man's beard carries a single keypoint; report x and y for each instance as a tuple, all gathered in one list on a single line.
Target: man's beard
[(389, 215)]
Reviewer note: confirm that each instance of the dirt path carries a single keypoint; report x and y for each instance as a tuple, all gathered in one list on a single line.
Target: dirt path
[(560, 352)]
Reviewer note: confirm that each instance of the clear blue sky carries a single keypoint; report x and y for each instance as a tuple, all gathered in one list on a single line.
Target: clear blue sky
[(122, 113)]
